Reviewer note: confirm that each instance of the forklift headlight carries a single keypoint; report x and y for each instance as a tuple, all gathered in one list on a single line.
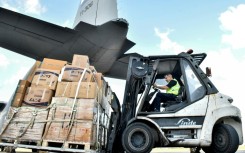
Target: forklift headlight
[(230, 100)]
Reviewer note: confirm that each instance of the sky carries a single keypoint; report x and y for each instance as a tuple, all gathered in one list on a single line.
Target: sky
[(157, 27)]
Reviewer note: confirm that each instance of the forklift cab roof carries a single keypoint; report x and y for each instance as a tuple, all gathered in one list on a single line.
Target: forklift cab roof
[(170, 63), (198, 58)]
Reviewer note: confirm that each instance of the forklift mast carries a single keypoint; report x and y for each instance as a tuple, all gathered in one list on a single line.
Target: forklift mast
[(139, 75)]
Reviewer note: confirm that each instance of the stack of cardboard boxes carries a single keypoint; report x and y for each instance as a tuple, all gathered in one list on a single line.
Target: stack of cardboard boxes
[(75, 105), (70, 77), (44, 83), (27, 117), (59, 103)]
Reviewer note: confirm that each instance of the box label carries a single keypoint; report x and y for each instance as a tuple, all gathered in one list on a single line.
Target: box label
[(46, 78), (36, 96), (74, 74)]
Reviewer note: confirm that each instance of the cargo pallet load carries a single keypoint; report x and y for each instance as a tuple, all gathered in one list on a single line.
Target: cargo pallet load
[(59, 107)]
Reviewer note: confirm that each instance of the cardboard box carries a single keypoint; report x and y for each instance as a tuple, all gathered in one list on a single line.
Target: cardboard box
[(81, 131), (18, 99), (38, 96), (64, 101), (92, 68), (63, 89), (53, 64), (21, 120), (74, 73), (65, 112), (80, 61), (99, 79), (86, 90), (24, 114), (45, 78), (32, 71), (68, 89), (33, 133), (86, 109), (22, 86), (20, 93)]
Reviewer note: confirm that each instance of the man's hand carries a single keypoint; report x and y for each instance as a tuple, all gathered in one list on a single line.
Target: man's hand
[(154, 85)]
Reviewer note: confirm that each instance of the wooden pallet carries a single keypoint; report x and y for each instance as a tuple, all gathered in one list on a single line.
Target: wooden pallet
[(67, 144), (25, 142)]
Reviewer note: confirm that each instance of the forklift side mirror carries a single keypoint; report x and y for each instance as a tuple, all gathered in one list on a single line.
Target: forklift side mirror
[(208, 71)]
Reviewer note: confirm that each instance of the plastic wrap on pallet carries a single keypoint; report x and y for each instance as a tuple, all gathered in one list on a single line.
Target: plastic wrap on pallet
[(24, 124), (81, 131), (86, 109)]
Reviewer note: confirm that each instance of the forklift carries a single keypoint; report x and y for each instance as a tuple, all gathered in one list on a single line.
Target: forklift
[(200, 117)]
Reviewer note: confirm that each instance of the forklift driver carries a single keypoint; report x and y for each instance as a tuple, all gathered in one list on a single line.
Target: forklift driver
[(172, 89)]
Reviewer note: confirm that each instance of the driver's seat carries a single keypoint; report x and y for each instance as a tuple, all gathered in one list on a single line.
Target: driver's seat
[(179, 98)]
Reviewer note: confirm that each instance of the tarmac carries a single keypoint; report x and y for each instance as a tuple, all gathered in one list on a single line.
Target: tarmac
[(155, 150), (241, 149)]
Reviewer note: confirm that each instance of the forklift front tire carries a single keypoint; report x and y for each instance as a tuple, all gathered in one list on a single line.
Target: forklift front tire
[(137, 138)]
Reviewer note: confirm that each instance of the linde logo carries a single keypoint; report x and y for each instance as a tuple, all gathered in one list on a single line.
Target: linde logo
[(186, 121)]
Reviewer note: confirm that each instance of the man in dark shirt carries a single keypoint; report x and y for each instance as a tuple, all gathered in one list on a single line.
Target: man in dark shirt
[(172, 89)]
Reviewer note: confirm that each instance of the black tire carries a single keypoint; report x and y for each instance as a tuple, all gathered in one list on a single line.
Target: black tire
[(137, 138), (207, 149), (224, 139), (34, 150), (155, 138)]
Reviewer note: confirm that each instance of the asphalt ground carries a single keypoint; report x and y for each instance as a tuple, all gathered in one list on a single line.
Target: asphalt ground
[(156, 150), (152, 152), (239, 151), (186, 150)]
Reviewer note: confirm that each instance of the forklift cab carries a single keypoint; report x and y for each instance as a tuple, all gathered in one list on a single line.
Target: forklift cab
[(192, 86)]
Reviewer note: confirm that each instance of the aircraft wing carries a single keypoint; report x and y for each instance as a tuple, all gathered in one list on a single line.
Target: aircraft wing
[(29, 36), (104, 44)]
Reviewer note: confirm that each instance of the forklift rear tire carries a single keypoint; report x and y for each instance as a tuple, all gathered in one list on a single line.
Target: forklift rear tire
[(224, 139), (137, 138)]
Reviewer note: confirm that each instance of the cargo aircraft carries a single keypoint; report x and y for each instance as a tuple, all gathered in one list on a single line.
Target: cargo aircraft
[(97, 32)]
